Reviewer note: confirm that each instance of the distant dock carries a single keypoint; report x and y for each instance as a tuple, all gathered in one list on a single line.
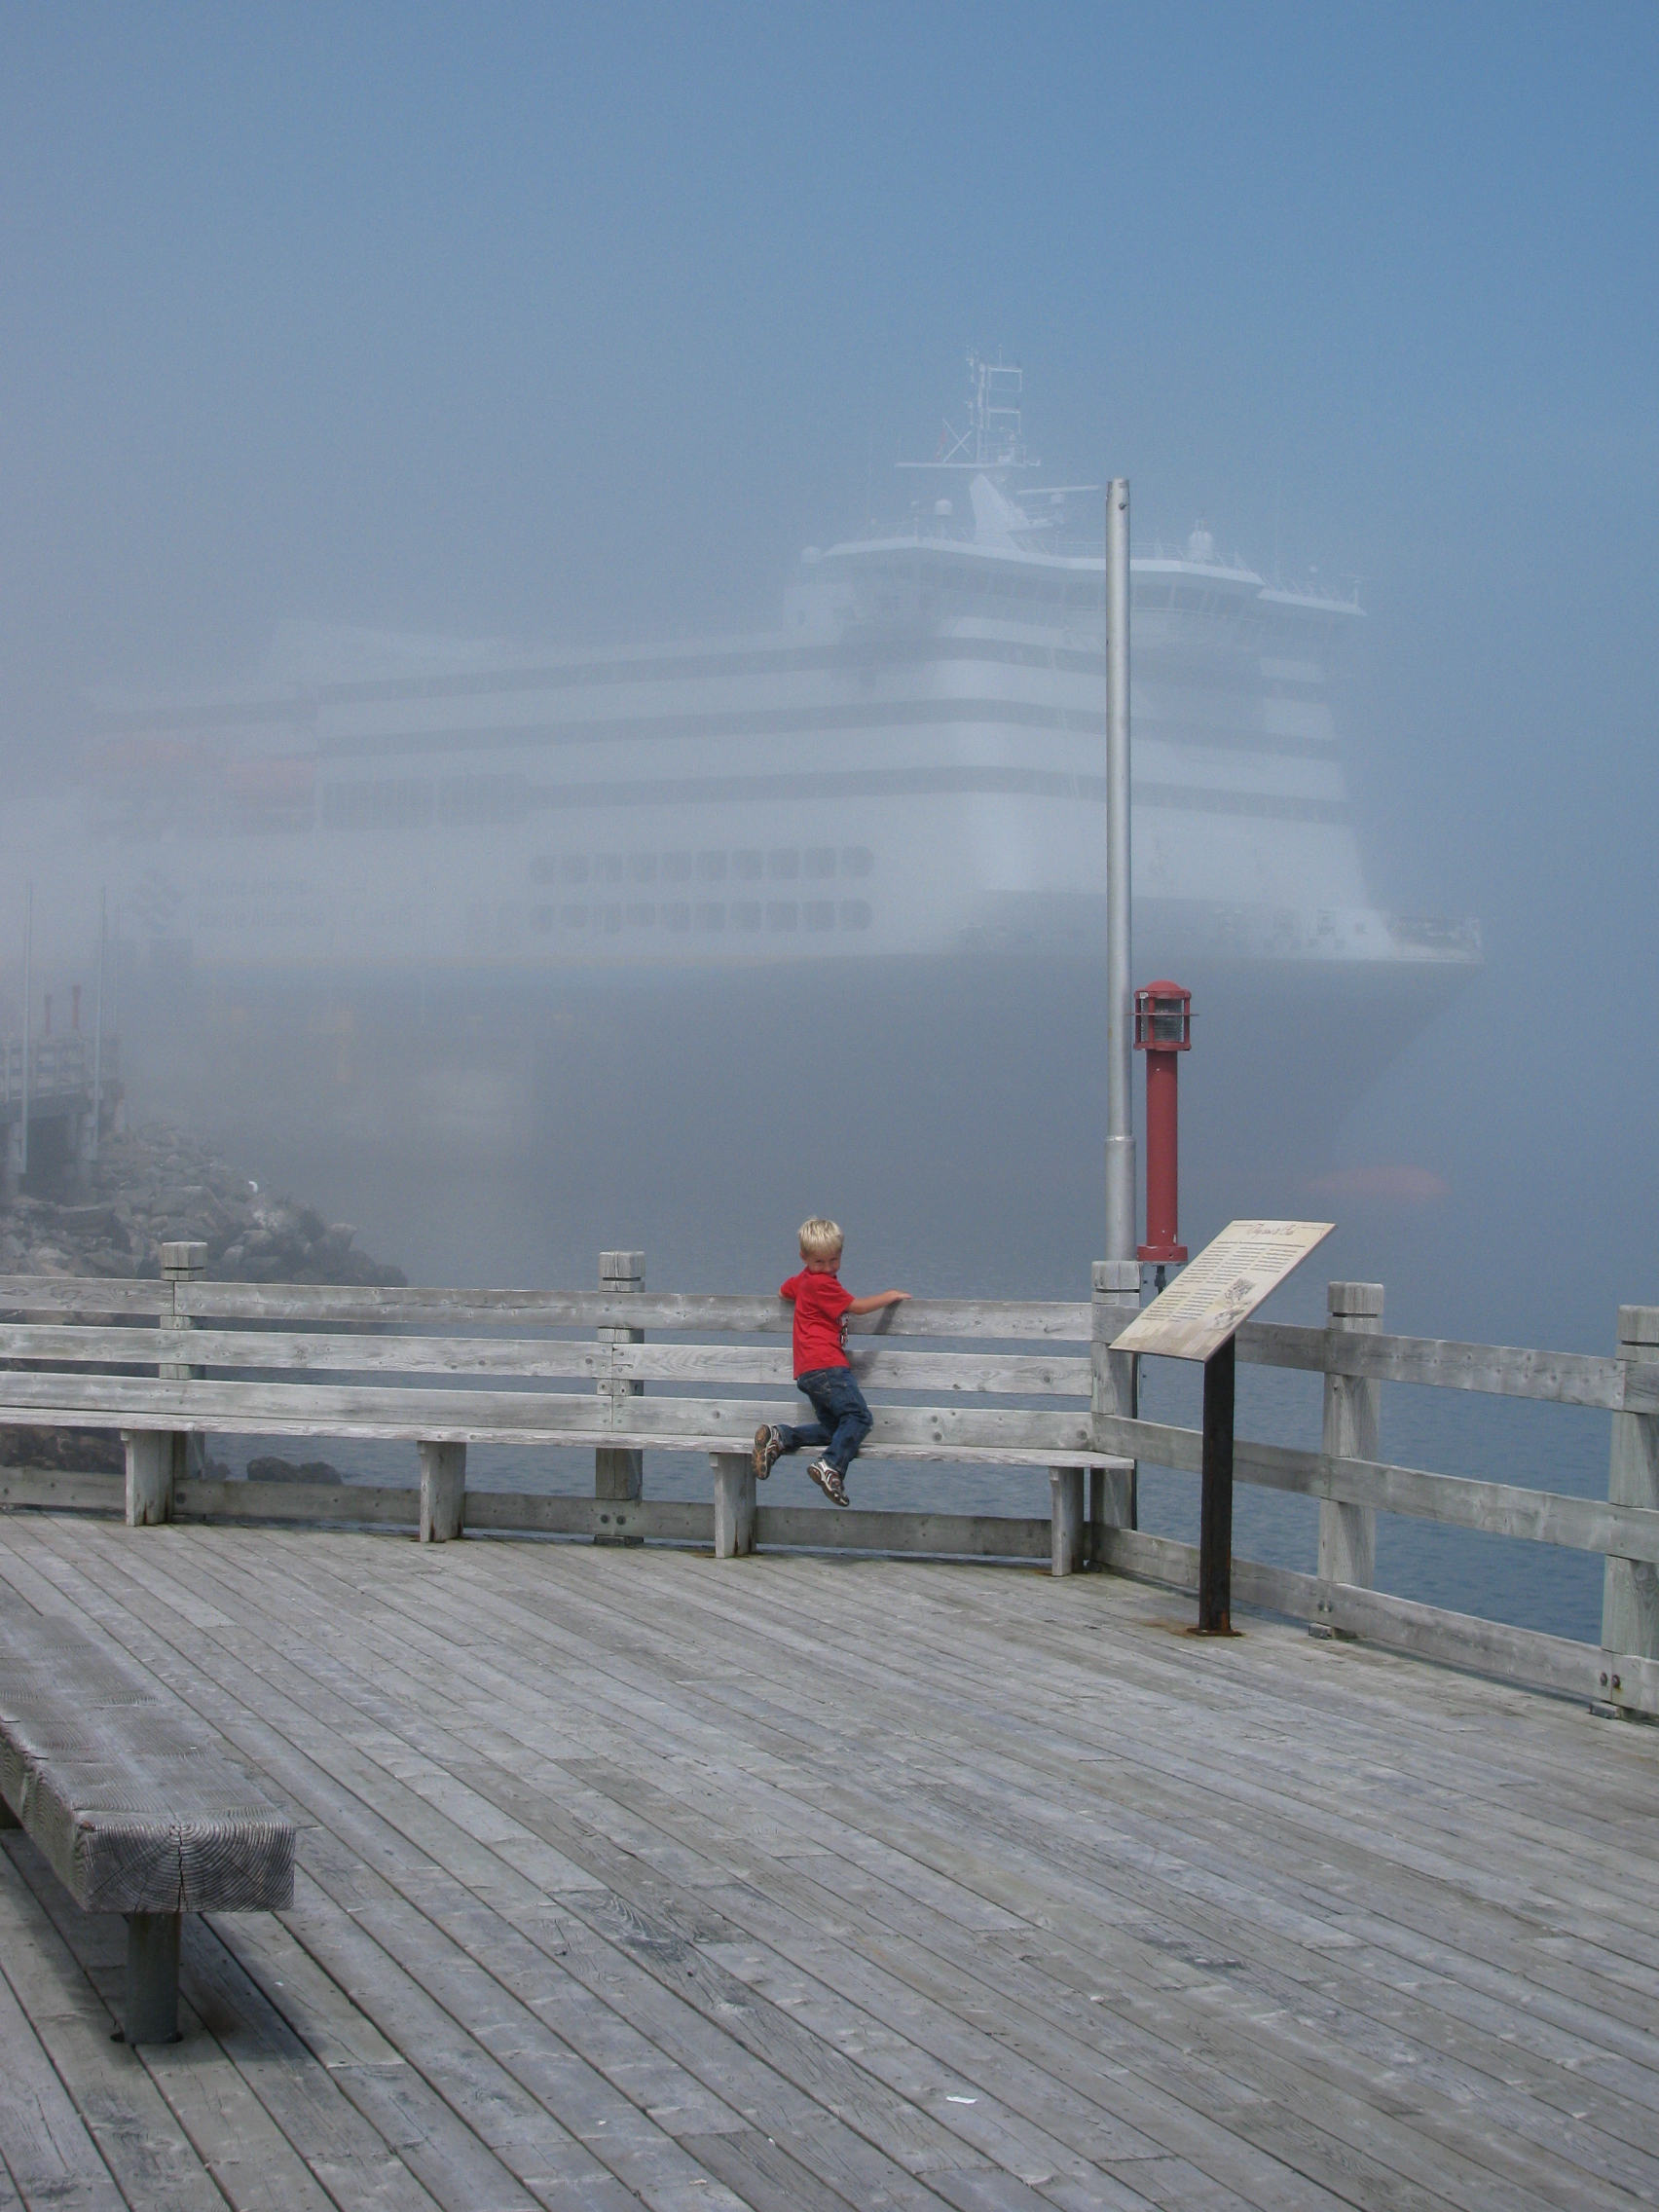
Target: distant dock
[(69, 1086), (636, 1876)]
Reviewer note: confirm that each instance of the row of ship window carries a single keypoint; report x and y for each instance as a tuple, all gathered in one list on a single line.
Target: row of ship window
[(745, 915), (748, 864)]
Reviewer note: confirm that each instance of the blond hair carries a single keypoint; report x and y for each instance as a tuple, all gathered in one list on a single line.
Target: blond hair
[(819, 1239)]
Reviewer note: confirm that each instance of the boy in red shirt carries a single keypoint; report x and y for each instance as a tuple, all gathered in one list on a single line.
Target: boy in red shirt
[(822, 1371)]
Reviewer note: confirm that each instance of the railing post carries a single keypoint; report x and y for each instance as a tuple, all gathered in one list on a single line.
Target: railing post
[(1114, 1388), (734, 1503), (159, 1459), (1353, 1422), (618, 1477), (443, 1491), (1630, 1588)]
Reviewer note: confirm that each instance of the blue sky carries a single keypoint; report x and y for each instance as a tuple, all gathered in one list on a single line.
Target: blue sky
[(581, 322)]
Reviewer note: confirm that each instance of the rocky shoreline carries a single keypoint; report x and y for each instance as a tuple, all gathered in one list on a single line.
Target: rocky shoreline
[(150, 1185), (157, 1183)]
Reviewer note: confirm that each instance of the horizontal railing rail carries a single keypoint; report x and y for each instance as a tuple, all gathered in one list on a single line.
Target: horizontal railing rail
[(877, 1366), (1457, 1501), (1505, 1371)]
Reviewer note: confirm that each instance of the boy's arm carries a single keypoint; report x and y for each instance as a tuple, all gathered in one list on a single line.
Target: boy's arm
[(881, 1298)]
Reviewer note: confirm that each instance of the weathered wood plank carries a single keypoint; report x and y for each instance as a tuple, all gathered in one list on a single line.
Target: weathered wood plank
[(963, 1536), (63, 1493), (432, 2140), (254, 1351), (466, 1417), (1566, 1378), (653, 1520), (1007, 1318), (680, 1521), (87, 1295), (45, 2144), (343, 1505), (112, 1783)]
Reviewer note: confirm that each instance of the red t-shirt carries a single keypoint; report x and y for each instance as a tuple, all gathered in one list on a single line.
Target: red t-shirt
[(819, 1301)]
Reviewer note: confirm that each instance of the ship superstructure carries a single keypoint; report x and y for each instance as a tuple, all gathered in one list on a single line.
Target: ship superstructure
[(911, 764)]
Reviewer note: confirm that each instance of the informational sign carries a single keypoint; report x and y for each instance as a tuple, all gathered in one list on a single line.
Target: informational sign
[(1222, 1287)]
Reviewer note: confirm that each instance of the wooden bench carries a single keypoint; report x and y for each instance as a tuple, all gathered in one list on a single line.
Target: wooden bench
[(133, 1811), (1003, 1382)]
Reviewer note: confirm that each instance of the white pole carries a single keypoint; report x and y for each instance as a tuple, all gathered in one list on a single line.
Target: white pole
[(28, 977), (97, 1024), (1119, 992)]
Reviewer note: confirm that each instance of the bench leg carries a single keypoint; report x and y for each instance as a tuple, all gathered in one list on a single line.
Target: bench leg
[(149, 1476), (734, 1503), (443, 1491), (1112, 1503), (1065, 1489), (151, 2014), (618, 1482)]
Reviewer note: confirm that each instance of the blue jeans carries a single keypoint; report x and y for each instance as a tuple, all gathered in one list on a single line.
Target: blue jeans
[(843, 1419)]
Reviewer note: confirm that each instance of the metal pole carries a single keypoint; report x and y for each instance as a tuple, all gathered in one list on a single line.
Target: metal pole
[(1215, 1505), (97, 1024), (1120, 995), (28, 974)]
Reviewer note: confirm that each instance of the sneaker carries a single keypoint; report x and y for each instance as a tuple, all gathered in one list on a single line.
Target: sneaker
[(768, 1451), (829, 1480)]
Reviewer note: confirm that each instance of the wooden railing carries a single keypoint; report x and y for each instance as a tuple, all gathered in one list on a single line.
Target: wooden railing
[(999, 1381), (58, 1067)]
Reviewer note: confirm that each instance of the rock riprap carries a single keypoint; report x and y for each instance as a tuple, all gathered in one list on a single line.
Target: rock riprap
[(156, 1184)]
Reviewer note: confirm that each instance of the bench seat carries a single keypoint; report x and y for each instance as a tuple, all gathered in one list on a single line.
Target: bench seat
[(132, 1807)]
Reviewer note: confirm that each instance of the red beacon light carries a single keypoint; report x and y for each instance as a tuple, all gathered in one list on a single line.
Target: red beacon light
[(1164, 1027)]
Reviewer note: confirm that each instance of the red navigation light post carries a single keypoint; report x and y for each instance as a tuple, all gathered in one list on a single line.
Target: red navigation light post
[(1164, 1027)]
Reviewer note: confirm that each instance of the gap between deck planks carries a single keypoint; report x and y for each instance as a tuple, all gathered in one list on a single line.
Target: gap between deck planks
[(587, 1605)]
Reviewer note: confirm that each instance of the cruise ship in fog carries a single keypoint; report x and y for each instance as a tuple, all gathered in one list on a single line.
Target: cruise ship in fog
[(911, 765)]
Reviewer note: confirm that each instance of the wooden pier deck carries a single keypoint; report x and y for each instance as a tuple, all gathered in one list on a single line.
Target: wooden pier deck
[(634, 1876)]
